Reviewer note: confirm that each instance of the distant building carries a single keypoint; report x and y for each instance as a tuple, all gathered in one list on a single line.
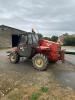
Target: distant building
[(11, 30), (5, 35)]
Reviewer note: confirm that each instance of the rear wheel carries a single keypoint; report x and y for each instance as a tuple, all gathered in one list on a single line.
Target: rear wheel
[(40, 62), (14, 58)]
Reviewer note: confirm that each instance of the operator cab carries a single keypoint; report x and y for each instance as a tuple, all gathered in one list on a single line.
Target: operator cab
[(28, 38), (25, 43)]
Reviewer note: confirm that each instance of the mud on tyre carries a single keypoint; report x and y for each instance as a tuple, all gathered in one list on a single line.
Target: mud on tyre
[(14, 58), (40, 62)]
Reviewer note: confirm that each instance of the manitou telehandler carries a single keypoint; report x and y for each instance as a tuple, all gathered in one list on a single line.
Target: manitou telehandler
[(31, 46)]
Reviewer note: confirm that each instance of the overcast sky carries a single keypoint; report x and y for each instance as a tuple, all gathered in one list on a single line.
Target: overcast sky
[(49, 17)]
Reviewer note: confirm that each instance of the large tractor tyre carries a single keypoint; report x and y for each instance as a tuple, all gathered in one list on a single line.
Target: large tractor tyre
[(40, 62), (14, 58)]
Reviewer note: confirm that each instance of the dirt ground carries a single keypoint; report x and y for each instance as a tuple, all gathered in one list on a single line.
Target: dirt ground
[(22, 82)]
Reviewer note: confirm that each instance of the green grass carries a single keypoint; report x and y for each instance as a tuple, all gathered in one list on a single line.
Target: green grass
[(19, 93), (35, 96), (44, 89), (15, 96)]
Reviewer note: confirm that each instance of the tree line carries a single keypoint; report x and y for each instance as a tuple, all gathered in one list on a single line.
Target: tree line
[(69, 40)]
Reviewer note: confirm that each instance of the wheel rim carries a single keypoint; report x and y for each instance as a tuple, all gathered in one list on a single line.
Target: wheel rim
[(12, 58), (39, 62)]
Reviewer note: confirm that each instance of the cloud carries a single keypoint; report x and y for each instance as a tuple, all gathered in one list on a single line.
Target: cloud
[(47, 16)]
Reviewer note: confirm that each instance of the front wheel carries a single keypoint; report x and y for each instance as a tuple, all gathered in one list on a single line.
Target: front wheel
[(40, 62), (14, 58)]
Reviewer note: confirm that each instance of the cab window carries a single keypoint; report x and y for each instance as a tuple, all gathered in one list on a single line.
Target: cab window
[(35, 41), (23, 39), (29, 39)]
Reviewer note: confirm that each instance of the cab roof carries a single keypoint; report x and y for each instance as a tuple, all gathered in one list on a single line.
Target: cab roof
[(24, 33)]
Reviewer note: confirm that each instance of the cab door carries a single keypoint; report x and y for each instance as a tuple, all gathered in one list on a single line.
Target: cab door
[(24, 47)]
